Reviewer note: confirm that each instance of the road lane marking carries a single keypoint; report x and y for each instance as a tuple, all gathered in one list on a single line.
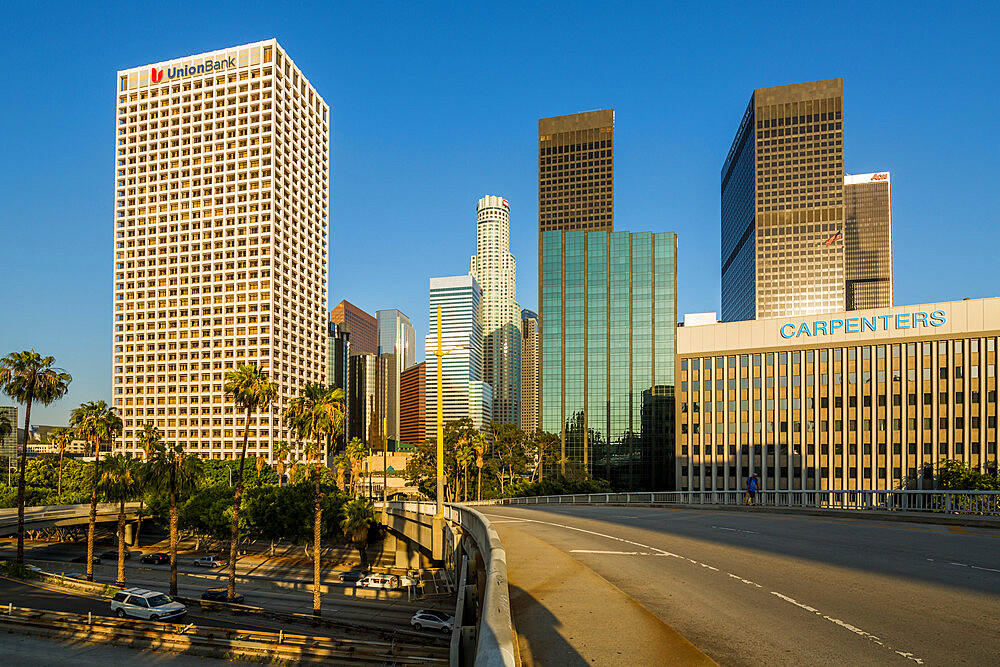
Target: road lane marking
[(847, 626), (905, 654), (968, 565), (612, 553), (737, 530)]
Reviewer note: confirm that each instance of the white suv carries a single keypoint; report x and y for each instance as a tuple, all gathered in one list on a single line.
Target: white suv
[(148, 605)]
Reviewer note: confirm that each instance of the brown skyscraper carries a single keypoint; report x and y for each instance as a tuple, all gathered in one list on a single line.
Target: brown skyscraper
[(868, 241), (363, 328), (412, 404), (576, 176), (783, 205)]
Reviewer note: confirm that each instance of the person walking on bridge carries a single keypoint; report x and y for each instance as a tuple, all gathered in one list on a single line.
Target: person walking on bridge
[(752, 484)]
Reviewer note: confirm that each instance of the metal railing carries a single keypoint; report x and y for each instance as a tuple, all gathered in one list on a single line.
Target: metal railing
[(495, 637), (979, 503)]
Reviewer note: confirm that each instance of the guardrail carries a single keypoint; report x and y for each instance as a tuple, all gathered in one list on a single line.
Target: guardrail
[(48, 512), (972, 503), (495, 636)]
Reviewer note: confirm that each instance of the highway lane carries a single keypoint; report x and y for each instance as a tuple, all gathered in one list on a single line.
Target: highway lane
[(790, 589)]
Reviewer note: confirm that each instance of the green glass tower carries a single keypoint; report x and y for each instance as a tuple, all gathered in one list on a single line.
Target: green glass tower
[(608, 301)]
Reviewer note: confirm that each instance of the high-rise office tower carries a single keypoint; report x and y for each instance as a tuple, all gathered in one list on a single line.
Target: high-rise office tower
[(363, 327), (412, 404), (576, 175), (361, 416), (463, 391), (221, 223), (338, 351), (868, 241), (8, 444), (396, 337), (783, 205), (530, 358), (493, 266), (608, 345)]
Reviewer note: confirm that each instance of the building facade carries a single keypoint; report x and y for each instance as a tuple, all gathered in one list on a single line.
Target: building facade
[(361, 414), (363, 327), (868, 241), (494, 268), (464, 393), (576, 174), (220, 259), (607, 349), (397, 348), (852, 400), (783, 204), (412, 404), (531, 353), (8, 444), (337, 354)]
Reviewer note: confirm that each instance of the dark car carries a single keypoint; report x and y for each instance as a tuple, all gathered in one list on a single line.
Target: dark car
[(113, 555), (219, 595), (83, 559), (352, 577), (155, 559)]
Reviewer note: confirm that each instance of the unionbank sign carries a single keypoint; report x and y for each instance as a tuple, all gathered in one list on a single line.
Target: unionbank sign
[(207, 67), (858, 325)]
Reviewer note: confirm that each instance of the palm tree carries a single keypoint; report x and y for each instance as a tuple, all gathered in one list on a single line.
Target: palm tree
[(464, 456), (356, 517), (251, 390), (358, 452), (149, 439), (170, 471), (480, 445), (62, 437), (281, 452), (316, 417), (93, 421), (341, 463), (28, 378), (120, 481)]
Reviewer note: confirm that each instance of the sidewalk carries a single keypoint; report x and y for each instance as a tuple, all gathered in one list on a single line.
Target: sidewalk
[(565, 614)]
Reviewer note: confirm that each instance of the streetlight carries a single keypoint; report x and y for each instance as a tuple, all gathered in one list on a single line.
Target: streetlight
[(440, 354)]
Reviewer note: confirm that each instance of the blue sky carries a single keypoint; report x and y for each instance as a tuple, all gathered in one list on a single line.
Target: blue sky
[(435, 104)]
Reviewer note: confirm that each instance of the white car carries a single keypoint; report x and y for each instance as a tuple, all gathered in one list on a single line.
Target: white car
[(146, 604), (383, 581), (209, 561), (432, 619)]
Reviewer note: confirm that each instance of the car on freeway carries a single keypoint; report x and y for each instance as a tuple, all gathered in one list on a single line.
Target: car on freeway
[(146, 604), (221, 595), (83, 559), (352, 576), (209, 561), (382, 581), (432, 620), (155, 559), (113, 555)]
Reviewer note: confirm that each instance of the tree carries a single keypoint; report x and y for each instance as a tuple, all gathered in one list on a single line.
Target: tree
[(358, 453), (149, 439), (94, 421), (356, 519), (465, 456), (62, 437), (281, 453), (541, 445), (28, 377), (341, 464), (119, 482), (169, 470), (480, 445), (250, 390)]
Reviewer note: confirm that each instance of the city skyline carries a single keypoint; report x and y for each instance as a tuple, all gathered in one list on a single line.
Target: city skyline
[(673, 158)]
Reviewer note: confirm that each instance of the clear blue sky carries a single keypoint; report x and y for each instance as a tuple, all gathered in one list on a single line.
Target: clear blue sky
[(435, 104)]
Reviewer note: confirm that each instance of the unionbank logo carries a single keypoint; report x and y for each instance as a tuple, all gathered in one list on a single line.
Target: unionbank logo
[(156, 75)]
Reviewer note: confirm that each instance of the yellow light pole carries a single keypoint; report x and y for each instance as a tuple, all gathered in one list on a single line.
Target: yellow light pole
[(440, 354)]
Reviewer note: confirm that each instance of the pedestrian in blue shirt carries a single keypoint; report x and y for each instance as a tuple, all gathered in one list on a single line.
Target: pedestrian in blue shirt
[(752, 485)]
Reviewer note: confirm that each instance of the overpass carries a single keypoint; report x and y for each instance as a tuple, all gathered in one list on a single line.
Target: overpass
[(803, 577), (59, 516)]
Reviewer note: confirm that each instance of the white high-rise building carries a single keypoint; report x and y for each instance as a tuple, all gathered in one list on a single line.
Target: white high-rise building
[(221, 224), (463, 392), (496, 270), (397, 347)]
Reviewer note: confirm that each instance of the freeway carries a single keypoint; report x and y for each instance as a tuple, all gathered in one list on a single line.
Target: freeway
[(753, 587)]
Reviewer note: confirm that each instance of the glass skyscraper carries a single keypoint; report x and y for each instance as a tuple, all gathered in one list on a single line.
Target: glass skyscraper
[(607, 347)]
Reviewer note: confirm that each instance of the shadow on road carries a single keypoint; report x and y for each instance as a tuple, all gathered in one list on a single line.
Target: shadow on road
[(540, 634)]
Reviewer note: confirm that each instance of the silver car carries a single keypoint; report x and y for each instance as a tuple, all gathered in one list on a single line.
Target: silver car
[(432, 620), (146, 604)]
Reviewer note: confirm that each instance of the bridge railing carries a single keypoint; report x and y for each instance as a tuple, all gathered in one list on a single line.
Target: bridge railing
[(45, 512), (981, 503)]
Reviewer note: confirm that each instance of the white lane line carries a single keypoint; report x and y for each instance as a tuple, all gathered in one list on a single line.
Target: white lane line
[(971, 567), (847, 626), (508, 521), (836, 621), (613, 553), (737, 530)]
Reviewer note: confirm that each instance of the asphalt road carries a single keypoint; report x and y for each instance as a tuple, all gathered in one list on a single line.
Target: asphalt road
[(761, 588)]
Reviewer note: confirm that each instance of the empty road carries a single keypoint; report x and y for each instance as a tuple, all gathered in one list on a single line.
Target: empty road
[(762, 588)]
